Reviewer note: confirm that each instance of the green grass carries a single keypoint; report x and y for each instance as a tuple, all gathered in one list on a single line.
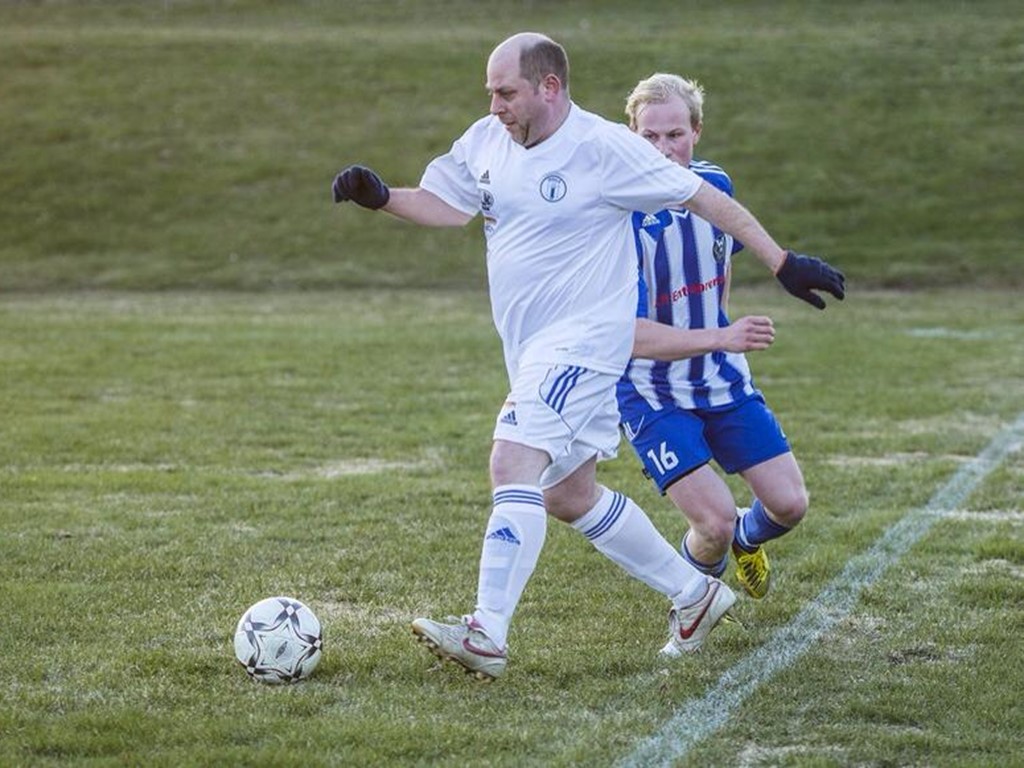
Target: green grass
[(169, 459), (186, 144), (217, 386)]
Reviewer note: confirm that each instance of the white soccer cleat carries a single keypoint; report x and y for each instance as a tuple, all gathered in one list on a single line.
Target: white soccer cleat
[(689, 626), (464, 643)]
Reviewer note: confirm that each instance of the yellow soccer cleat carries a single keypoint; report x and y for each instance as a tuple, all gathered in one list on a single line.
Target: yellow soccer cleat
[(752, 571)]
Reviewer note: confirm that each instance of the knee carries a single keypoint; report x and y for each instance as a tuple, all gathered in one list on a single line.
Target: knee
[(501, 474), (512, 463), (716, 531), (790, 510), (723, 530), (567, 506), (555, 504), (501, 469)]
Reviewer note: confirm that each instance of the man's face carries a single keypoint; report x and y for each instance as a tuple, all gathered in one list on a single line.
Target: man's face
[(521, 107), (667, 126)]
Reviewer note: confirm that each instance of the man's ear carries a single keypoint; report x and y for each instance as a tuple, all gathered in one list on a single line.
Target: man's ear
[(551, 86)]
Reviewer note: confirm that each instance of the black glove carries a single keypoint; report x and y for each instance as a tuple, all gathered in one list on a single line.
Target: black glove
[(362, 186), (802, 274)]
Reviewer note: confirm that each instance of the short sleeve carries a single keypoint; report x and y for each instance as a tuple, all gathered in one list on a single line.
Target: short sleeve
[(449, 177), (637, 177)]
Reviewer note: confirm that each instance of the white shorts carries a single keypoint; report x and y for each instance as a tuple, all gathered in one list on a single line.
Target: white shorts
[(569, 412)]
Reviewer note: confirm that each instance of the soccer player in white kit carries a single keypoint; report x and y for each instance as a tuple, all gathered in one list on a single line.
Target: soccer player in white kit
[(556, 186)]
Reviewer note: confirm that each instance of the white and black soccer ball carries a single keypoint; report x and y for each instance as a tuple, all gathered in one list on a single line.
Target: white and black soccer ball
[(279, 640)]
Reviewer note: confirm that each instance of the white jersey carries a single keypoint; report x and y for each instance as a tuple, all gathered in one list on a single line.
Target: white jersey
[(683, 263), (560, 257)]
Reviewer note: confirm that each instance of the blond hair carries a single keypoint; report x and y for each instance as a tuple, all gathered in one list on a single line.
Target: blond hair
[(659, 88)]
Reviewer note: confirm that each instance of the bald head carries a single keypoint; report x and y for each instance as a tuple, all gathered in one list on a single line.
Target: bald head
[(528, 79), (535, 56)]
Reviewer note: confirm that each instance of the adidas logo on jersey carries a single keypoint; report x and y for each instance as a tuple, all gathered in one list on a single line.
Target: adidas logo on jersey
[(486, 178), (504, 534), (650, 220), (510, 418)]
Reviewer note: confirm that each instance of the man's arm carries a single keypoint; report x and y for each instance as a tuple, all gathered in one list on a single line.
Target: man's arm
[(728, 215), (658, 341), (422, 207), (727, 288), (800, 275), (364, 187)]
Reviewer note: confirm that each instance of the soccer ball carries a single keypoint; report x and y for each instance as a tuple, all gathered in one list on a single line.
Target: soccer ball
[(278, 640)]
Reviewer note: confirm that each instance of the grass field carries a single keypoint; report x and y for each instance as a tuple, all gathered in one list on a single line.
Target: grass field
[(169, 459), (216, 387)]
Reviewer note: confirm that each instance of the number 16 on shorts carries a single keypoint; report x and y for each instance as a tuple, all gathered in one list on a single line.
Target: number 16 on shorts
[(663, 460), (670, 448)]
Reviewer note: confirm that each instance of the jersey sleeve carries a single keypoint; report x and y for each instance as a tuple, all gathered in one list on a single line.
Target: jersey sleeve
[(637, 177), (450, 178)]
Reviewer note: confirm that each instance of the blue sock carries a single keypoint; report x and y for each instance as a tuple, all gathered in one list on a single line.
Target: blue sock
[(755, 528), (715, 569)]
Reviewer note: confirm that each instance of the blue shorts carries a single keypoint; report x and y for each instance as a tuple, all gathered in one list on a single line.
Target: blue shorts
[(679, 441)]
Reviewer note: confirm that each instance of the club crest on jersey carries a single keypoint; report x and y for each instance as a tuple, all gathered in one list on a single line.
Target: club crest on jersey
[(486, 200), (719, 248), (553, 188)]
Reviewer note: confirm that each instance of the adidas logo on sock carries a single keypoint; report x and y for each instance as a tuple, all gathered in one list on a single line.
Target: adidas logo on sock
[(504, 534)]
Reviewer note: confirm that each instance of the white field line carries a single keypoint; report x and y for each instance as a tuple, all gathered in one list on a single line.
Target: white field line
[(699, 718)]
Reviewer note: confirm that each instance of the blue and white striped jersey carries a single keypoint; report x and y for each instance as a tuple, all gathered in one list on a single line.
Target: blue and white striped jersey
[(683, 261)]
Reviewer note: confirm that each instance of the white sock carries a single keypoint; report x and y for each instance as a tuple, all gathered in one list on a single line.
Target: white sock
[(512, 544), (622, 531)]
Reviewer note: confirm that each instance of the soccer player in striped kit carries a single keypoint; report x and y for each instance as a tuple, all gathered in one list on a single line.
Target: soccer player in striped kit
[(688, 397), (555, 186)]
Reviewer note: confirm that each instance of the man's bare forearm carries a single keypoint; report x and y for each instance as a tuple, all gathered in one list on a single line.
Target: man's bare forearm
[(731, 217), (422, 207), (658, 341)]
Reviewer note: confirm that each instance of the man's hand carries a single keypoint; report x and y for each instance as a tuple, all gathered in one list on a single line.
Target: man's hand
[(362, 186), (748, 334), (802, 274)]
